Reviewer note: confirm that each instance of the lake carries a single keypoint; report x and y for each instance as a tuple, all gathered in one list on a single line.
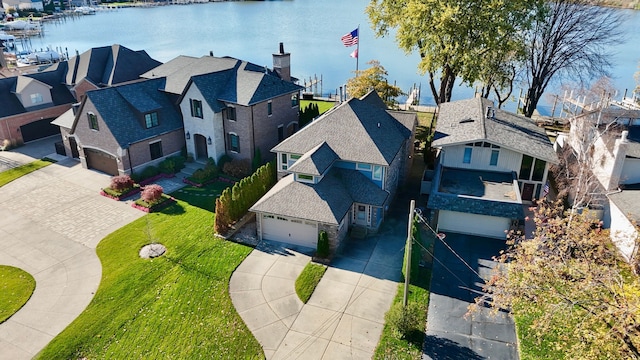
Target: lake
[(251, 30)]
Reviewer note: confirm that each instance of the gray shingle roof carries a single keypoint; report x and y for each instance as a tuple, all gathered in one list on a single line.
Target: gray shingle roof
[(119, 106), (475, 206), (633, 147), (628, 201), (109, 65), (316, 161), (65, 120), (355, 131), (465, 121), (326, 202)]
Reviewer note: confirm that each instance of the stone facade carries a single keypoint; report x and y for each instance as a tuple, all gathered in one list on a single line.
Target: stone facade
[(336, 235)]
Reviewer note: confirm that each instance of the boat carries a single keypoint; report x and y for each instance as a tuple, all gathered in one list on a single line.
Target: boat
[(38, 58), (7, 41), (21, 25), (85, 10)]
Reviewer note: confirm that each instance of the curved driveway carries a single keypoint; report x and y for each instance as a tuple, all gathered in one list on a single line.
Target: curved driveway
[(51, 221)]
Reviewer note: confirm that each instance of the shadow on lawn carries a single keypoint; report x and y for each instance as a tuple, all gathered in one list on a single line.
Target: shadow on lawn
[(175, 209)]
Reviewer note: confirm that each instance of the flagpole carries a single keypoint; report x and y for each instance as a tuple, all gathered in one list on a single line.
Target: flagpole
[(358, 50)]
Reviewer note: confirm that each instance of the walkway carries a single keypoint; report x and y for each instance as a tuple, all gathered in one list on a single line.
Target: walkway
[(451, 334), (52, 220)]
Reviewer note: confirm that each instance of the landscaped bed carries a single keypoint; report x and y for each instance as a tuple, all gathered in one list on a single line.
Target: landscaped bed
[(175, 306), (16, 287), (308, 280)]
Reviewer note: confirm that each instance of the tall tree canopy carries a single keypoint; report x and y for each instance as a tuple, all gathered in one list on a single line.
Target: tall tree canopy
[(568, 40), (373, 78), (455, 37)]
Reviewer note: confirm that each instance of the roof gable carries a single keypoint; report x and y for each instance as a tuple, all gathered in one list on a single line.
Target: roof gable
[(316, 161)]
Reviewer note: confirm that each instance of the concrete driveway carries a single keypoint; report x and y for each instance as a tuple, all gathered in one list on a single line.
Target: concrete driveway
[(344, 317), (450, 335), (51, 222)]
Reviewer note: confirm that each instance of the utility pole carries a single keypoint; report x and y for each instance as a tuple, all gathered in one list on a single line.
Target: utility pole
[(407, 271)]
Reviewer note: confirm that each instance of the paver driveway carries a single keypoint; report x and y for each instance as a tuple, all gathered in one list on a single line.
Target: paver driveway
[(51, 222)]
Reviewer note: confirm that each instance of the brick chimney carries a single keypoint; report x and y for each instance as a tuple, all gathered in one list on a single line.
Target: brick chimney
[(282, 64)]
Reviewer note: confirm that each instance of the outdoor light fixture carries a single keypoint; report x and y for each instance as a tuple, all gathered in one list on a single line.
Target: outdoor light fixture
[(188, 135), (209, 140)]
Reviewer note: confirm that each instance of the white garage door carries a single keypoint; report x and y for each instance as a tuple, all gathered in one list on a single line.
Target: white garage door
[(481, 225), (288, 230)]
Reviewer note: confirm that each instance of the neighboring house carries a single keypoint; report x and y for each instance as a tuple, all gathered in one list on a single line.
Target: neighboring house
[(232, 107), (127, 127), (490, 163), (23, 4), (341, 170), (28, 104)]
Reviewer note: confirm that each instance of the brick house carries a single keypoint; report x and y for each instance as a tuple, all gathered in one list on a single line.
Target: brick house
[(340, 171)]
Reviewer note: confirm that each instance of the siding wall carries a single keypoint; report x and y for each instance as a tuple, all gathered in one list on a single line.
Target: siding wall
[(508, 160)]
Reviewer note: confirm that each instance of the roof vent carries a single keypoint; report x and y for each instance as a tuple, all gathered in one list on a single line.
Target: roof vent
[(490, 112), (378, 125), (467, 120), (211, 53)]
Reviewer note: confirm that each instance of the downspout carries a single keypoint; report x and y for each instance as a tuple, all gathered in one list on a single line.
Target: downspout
[(253, 136), (129, 157)]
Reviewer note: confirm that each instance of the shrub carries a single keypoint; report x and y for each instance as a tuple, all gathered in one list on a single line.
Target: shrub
[(223, 160), (211, 170), (199, 175), (323, 244), (121, 182), (404, 320), (179, 160), (237, 168), (152, 193), (167, 166), (149, 172)]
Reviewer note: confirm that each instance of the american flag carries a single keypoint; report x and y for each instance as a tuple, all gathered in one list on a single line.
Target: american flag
[(545, 190), (350, 39)]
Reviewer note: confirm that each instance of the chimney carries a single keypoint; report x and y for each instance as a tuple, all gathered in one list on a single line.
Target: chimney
[(211, 53), (490, 112), (624, 137), (282, 64)]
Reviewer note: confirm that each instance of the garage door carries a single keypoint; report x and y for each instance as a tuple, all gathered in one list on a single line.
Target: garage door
[(38, 130), (290, 231), (481, 225), (99, 160)]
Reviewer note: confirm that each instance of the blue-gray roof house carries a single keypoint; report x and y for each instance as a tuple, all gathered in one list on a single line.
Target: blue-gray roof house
[(490, 163), (341, 170)]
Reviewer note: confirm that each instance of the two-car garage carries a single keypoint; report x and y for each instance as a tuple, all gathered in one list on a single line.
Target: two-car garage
[(289, 230), (476, 224)]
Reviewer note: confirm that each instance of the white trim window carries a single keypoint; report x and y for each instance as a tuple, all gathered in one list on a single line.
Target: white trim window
[(305, 178), (363, 166), (377, 172), (234, 142)]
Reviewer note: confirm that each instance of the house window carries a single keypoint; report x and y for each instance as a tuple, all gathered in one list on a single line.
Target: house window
[(196, 108), (467, 155), (538, 170), (494, 157), (280, 133), (156, 150), (93, 121), (231, 113), (36, 99), (283, 161), (294, 100), (269, 108), (377, 172), (525, 167), (234, 142), (292, 159), (151, 120), (305, 177), (360, 166)]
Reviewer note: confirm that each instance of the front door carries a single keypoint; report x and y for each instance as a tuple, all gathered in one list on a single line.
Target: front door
[(201, 147), (527, 191), (360, 215)]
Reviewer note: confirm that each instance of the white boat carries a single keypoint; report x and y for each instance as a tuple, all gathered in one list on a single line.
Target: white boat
[(7, 41), (85, 10), (39, 57), (21, 25)]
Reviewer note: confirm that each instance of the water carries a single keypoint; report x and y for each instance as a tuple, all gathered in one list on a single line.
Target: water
[(251, 30)]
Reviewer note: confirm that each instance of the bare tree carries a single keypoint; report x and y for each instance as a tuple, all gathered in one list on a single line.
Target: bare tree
[(568, 40)]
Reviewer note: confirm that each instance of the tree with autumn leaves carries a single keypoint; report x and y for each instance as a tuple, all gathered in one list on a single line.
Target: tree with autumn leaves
[(235, 201), (568, 288)]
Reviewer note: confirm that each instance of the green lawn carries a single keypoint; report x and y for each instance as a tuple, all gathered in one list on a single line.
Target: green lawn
[(12, 174), (392, 347), (176, 306), (16, 287), (308, 280), (323, 106), (425, 118), (204, 197)]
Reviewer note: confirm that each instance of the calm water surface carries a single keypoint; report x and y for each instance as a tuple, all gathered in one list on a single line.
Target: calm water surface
[(251, 30)]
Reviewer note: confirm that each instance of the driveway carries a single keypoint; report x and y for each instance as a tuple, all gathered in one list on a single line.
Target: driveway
[(52, 220), (451, 335), (344, 317)]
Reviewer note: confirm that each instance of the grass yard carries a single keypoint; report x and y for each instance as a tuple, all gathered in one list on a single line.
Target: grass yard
[(16, 287), (392, 347), (308, 280), (425, 119), (12, 174), (176, 306), (323, 106), (204, 197)]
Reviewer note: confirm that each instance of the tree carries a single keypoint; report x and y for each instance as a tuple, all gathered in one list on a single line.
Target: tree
[(373, 78), (568, 40), (454, 38), (569, 279)]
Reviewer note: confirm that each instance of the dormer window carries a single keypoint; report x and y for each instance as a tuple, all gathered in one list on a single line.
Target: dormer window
[(230, 113), (151, 120), (36, 99), (305, 178), (93, 121), (196, 108)]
